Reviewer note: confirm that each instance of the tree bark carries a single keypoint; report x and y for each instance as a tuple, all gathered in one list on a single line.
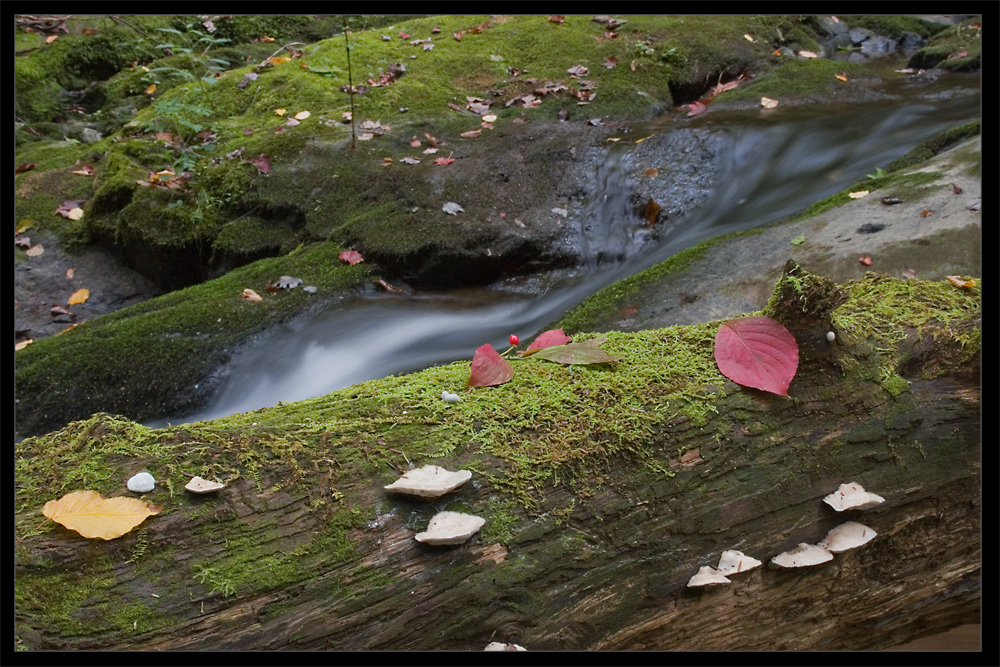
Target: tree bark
[(601, 562)]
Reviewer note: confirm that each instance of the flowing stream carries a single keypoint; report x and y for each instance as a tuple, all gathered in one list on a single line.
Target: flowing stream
[(773, 164)]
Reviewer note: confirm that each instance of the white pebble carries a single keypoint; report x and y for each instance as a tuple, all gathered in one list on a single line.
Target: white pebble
[(448, 397), (141, 482), (830, 336)]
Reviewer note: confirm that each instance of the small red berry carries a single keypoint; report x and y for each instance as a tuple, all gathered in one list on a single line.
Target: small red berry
[(513, 339)]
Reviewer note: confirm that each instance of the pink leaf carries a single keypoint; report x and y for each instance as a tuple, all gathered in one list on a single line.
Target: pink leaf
[(548, 339), (352, 257), (489, 368), (695, 108), (757, 352)]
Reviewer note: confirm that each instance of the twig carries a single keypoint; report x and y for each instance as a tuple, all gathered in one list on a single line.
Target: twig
[(118, 19)]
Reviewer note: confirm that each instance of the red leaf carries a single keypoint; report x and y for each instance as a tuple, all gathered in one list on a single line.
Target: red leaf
[(443, 161), (548, 339), (757, 352), (867, 261), (489, 368), (352, 257)]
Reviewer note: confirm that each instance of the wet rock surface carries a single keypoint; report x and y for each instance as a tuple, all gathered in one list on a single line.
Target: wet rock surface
[(928, 237)]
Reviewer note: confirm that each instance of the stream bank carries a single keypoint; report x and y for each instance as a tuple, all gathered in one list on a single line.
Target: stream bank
[(520, 186)]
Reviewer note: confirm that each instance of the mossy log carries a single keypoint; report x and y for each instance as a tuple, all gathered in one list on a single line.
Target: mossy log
[(594, 525)]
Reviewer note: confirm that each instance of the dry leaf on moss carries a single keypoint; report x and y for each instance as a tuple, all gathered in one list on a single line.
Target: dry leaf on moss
[(92, 515)]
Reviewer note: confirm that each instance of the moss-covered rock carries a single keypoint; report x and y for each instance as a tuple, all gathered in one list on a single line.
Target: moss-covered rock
[(162, 354), (956, 48)]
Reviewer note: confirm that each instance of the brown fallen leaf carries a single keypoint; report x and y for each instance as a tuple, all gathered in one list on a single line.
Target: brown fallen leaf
[(651, 172), (93, 516), (652, 212)]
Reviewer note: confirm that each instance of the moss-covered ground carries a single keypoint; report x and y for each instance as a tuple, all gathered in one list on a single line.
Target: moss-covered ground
[(175, 196)]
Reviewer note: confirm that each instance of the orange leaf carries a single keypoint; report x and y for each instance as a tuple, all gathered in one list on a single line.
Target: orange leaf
[(79, 296), (92, 515), (151, 89), (841, 77)]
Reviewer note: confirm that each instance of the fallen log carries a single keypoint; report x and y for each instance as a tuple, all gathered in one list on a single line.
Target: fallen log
[(604, 488)]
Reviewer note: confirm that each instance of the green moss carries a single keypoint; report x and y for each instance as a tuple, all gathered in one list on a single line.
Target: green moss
[(935, 145), (790, 79), (37, 94), (946, 46), (893, 27)]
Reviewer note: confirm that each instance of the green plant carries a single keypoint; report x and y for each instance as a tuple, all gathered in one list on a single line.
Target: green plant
[(195, 39)]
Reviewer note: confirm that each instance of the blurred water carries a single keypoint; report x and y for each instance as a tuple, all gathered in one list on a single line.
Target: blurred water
[(774, 163)]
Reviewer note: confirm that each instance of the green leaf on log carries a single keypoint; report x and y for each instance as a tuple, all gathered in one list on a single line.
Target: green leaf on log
[(584, 352)]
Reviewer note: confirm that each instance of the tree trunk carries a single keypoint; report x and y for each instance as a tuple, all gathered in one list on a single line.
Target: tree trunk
[(305, 550)]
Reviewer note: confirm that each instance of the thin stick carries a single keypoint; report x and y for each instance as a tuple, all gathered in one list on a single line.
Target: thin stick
[(350, 82)]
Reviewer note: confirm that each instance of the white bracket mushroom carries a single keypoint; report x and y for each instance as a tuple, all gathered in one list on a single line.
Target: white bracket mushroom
[(450, 528), (500, 646), (803, 555), (201, 485), (734, 562), (429, 482), (852, 496), (847, 536), (707, 576)]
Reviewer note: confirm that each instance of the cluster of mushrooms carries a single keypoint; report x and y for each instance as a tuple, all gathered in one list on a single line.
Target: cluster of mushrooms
[(846, 536), (429, 483)]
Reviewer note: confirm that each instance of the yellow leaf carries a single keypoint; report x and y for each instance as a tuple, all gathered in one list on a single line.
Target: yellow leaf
[(807, 54), (92, 515), (748, 37), (79, 296), (858, 195), (960, 282), (250, 295), (768, 103), (841, 77), (280, 112), (23, 344), (75, 213), (151, 89), (25, 225), (278, 60)]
